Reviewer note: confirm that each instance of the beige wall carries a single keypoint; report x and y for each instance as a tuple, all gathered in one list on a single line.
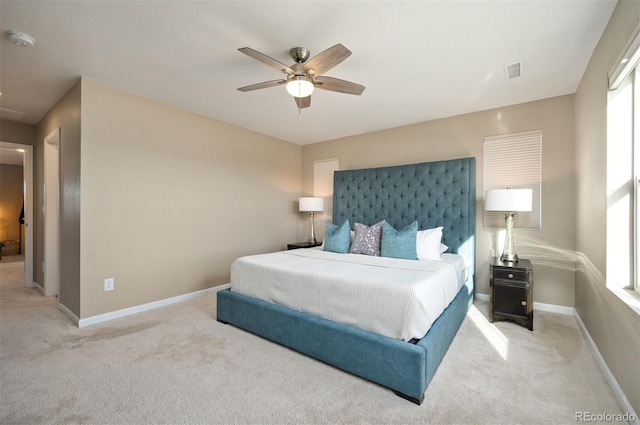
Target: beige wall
[(11, 197), (66, 115), (170, 198), (551, 249), (17, 132), (614, 327)]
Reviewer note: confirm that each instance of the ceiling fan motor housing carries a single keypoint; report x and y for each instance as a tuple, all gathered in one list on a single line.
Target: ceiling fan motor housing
[(299, 54)]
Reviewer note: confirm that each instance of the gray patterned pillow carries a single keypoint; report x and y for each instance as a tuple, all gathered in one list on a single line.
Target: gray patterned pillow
[(367, 240)]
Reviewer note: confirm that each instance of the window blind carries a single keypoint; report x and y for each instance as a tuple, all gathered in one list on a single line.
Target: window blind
[(323, 182), (514, 161)]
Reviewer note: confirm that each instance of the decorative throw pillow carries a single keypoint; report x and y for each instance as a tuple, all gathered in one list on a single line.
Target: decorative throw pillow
[(367, 240), (353, 235), (428, 244), (399, 243), (337, 238)]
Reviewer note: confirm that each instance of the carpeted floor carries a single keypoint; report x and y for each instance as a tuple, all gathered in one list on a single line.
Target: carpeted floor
[(177, 365)]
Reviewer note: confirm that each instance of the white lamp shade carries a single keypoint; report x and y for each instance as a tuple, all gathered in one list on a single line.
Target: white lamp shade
[(299, 86), (311, 203), (508, 200)]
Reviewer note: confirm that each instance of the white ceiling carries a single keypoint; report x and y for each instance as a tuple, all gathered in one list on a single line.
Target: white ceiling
[(419, 60)]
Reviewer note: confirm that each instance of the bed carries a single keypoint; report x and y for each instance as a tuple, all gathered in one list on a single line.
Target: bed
[(440, 193)]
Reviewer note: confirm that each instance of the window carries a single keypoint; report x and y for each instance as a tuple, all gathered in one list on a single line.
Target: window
[(623, 170), (323, 182), (514, 161)]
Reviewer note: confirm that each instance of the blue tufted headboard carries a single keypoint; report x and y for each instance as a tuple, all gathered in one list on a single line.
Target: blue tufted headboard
[(440, 193)]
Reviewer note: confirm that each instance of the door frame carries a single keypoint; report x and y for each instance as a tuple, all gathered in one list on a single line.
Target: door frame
[(51, 212), (27, 181)]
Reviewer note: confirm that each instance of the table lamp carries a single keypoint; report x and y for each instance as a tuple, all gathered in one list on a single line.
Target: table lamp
[(312, 205), (510, 201)]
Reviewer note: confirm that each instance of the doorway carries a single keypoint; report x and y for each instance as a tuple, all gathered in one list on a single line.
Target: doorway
[(51, 265), (27, 181)]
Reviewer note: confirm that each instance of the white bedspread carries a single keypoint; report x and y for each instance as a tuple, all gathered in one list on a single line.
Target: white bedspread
[(393, 297)]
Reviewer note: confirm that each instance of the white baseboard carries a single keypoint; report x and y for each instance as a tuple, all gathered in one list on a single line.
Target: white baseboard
[(613, 383), (38, 287), (552, 308), (482, 297), (100, 318)]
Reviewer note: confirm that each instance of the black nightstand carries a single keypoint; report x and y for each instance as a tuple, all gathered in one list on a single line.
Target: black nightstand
[(511, 291), (303, 245)]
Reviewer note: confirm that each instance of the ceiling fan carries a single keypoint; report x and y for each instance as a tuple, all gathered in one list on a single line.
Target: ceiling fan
[(304, 75)]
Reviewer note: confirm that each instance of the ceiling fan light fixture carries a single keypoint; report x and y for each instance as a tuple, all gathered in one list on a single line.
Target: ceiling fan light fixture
[(299, 86)]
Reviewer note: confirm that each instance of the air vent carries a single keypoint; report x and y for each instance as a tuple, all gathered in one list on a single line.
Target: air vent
[(513, 71), (11, 115)]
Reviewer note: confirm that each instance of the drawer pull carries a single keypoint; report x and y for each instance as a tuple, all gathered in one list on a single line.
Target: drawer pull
[(510, 275), (523, 302)]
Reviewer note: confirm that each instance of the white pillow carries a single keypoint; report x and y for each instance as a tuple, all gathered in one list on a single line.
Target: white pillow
[(428, 246)]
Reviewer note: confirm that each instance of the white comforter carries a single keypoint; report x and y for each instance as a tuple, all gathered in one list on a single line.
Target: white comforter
[(397, 298)]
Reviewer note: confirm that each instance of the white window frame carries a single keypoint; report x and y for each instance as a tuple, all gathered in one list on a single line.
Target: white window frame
[(623, 137), (636, 177)]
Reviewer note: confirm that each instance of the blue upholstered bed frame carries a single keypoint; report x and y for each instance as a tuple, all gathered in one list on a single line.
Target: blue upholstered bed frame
[(435, 194)]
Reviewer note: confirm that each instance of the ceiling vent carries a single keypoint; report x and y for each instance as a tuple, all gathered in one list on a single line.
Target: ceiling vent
[(11, 115), (513, 71)]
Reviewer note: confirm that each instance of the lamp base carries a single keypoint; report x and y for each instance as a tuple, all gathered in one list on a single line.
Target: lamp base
[(312, 236), (509, 254), (505, 258)]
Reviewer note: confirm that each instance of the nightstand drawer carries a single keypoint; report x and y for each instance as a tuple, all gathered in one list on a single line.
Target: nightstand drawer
[(503, 274), (511, 283)]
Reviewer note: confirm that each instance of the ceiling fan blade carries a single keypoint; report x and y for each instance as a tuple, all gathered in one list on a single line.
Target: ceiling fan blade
[(264, 85), (303, 102), (326, 60), (266, 60), (338, 85)]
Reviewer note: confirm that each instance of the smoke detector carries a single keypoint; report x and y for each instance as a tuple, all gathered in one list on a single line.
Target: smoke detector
[(21, 39)]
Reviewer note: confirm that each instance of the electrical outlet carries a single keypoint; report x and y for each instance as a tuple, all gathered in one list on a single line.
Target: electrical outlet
[(109, 284)]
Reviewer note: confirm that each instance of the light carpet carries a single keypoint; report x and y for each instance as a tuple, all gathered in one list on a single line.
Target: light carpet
[(178, 365)]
